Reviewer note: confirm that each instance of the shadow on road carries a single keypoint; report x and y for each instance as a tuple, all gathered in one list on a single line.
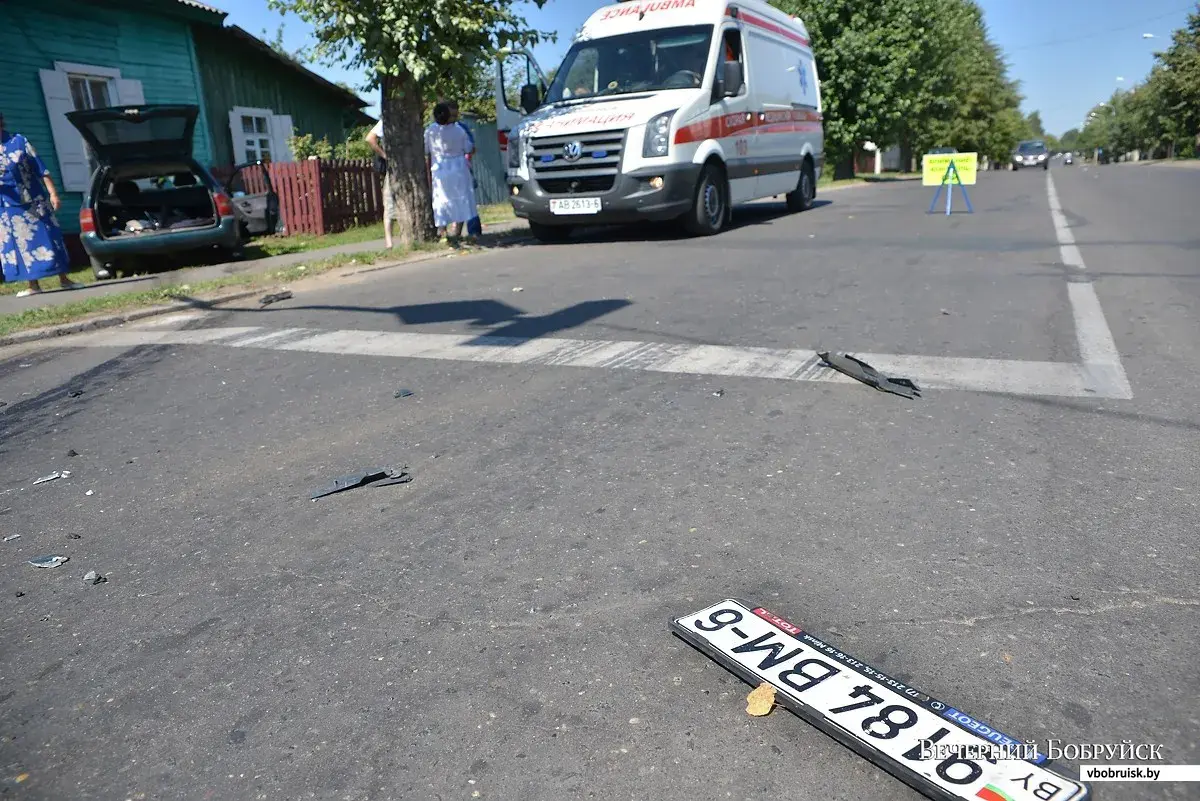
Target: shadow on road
[(514, 325), (760, 213)]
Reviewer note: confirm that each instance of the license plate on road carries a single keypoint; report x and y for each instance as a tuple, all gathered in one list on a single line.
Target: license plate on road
[(930, 746), (575, 205)]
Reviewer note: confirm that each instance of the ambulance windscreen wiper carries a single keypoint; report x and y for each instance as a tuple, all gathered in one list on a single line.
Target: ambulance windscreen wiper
[(582, 101)]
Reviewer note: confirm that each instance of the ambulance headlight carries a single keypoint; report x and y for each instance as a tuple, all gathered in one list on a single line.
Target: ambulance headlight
[(514, 150), (658, 136)]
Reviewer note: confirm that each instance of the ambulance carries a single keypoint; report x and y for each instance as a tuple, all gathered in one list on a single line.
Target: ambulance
[(663, 110)]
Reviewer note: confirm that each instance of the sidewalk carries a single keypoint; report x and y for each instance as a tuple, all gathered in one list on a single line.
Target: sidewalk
[(11, 304)]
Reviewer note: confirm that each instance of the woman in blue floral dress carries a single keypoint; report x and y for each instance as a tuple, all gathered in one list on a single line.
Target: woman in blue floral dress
[(31, 243)]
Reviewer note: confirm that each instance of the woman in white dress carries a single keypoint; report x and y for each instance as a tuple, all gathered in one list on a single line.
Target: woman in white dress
[(447, 146)]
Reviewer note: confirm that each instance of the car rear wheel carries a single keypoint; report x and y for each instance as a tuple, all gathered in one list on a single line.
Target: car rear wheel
[(710, 205), (549, 234), (104, 271)]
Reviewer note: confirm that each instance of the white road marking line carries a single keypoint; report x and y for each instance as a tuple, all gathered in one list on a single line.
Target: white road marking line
[(978, 375), (1097, 348), (1066, 240)]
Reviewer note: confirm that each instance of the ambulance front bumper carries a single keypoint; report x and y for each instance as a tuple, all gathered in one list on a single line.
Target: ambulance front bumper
[(632, 197)]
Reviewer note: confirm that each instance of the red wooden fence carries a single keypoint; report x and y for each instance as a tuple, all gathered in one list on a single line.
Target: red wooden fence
[(317, 197)]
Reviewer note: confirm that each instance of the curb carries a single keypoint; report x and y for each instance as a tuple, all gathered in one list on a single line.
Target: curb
[(109, 321)]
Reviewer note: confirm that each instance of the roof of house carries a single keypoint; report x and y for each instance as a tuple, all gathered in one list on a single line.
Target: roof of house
[(201, 6), (265, 49)]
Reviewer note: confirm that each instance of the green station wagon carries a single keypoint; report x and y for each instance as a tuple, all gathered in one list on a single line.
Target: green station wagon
[(149, 197)]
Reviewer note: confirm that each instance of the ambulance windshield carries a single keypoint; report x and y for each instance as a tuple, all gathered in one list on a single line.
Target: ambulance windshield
[(646, 61)]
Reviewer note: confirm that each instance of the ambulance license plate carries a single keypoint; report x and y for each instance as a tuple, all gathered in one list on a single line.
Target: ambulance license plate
[(575, 205), (938, 750)]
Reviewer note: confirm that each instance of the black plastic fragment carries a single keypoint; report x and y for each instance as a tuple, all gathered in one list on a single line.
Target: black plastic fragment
[(383, 477), (75, 393), (72, 453), (403, 393), (274, 297), (861, 371)]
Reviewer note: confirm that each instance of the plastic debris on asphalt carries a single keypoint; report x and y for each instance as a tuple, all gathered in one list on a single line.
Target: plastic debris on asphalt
[(403, 393), (275, 297), (761, 700), (57, 474), (90, 492), (72, 453), (92, 577), (53, 560), (74, 536), (859, 370), (518, 289), (12, 537), (720, 393), (75, 393), (382, 477)]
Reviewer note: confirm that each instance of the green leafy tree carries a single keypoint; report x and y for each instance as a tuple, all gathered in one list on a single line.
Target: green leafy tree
[(1033, 125), (1178, 83), (355, 146), (418, 50), (305, 146), (985, 116), (1161, 116), (917, 73), (300, 55), (1069, 140)]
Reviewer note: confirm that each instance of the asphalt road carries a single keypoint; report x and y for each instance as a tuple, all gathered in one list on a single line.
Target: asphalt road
[(1020, 542)]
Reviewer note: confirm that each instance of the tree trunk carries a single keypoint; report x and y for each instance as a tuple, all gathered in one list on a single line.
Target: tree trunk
[(843, 169), (404, 142)]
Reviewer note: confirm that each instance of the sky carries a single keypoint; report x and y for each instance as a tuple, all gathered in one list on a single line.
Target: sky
[(1068, 55)]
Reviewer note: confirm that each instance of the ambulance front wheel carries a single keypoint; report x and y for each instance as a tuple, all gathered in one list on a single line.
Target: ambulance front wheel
[(710, 206), (801, 199)]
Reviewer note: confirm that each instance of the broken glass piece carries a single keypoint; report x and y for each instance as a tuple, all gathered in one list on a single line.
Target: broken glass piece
[(12, 537), (92, 577), (275, 297), (861, 371), (53, 560)]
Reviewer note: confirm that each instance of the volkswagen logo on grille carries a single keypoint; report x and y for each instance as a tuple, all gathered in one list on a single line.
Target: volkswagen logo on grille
[(572, 151)]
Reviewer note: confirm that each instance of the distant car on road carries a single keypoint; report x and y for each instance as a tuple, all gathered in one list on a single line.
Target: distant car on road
[(1031, 153), (1068, 158)]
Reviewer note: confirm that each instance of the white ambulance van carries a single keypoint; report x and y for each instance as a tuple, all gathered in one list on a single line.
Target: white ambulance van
[(663, 110)]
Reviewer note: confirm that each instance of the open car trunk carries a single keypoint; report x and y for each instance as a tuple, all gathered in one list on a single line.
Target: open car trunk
[(136, 204)]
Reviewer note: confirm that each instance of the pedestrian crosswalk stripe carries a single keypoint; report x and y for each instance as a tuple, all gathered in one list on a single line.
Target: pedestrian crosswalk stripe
[(780, 364)]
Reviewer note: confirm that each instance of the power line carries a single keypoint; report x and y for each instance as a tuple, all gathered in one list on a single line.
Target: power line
[(1118, 29)]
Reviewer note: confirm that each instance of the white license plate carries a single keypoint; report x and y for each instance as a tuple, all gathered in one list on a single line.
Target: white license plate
[(575, 205), (930, 746)]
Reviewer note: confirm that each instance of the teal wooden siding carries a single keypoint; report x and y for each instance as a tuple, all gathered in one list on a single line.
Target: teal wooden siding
[(235, 73), (154, 49)]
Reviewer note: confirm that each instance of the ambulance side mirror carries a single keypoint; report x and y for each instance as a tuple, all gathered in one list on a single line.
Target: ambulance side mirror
[(531, 98), (732, 79)]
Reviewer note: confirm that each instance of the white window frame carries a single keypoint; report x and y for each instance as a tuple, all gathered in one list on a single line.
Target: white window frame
[(90, 72), (75, 160), (239, 143)]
